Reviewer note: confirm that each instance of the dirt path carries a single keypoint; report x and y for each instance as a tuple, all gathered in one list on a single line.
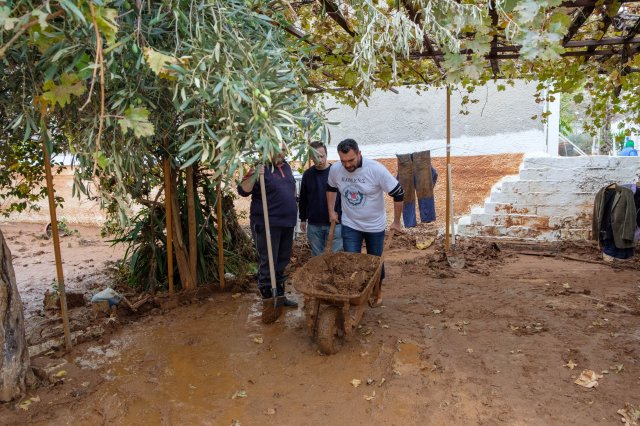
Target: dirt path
[(453, 347)]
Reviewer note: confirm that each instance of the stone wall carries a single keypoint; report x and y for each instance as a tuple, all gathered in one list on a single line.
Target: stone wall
[(550, 199)]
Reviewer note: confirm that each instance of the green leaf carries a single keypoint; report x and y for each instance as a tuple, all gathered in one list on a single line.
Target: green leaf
[(61, 94), (106, 19), (137, 119), (103, 161), (158, 62), (528, 10), (42, 18), (6, 22), (71, 6)]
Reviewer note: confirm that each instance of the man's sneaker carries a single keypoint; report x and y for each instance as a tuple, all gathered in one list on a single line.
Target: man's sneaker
[(271, 313), (289, 303)]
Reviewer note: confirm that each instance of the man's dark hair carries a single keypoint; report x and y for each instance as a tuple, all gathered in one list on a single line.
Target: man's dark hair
[(347, 145), (316, 145)]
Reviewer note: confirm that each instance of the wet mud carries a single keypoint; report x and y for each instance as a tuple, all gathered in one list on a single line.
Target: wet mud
[(336, 273)]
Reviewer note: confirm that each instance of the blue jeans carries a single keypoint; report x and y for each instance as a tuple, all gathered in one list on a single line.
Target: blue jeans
[(418, 178), (317, 235), (352, 242)]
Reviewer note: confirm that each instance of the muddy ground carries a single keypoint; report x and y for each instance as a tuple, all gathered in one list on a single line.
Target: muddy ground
[(500, 341)]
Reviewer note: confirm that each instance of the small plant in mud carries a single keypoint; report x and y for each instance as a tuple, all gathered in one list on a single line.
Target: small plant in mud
[(63, 229)]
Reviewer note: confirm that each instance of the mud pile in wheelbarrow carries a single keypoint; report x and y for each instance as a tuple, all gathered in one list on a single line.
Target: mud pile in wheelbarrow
[(336, 273)]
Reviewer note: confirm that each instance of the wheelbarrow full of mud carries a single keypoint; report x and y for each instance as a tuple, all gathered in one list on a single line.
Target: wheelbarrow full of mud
[(337, 287)]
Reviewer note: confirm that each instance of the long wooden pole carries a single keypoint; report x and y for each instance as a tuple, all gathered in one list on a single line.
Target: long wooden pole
[(447, 240), (56, 246), (167, 204), (220, 242), (267, 228), (191, 212)]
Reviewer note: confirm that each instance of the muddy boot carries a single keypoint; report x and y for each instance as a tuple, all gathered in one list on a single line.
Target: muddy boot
[(271, 313), (288, 303)]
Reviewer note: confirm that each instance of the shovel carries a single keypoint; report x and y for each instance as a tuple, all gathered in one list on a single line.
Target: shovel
[(456, 261), (267, 228), (332, 231)]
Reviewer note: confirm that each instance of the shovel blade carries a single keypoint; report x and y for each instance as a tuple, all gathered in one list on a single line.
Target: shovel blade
[(456, 261)]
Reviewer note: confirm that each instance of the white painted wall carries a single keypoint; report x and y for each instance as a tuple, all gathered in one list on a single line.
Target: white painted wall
[(551, 198), (408, 122)]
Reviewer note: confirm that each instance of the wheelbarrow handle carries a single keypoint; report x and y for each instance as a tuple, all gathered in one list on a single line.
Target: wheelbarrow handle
[(332, 231)]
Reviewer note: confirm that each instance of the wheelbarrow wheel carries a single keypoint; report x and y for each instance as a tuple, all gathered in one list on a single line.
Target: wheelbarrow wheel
[(329, 332)]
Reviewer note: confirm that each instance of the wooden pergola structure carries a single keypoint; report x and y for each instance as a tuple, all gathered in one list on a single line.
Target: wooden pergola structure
[(590, 33)]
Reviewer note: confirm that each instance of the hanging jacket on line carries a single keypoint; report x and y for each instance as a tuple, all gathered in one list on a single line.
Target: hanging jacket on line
[(622, 216)]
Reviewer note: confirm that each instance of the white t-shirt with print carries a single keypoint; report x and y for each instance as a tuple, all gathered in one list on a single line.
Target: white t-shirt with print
[(362, 194)]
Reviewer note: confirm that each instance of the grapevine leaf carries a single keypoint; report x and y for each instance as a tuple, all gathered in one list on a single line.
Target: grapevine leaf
[(136, 119)]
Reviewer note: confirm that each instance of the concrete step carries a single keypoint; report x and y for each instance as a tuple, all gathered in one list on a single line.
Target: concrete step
[(542, 198)]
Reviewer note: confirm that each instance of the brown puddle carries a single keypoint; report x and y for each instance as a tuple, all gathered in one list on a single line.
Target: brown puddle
[(215, 364)]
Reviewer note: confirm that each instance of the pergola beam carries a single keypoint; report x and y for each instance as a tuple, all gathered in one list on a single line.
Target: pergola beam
[(334, 13), (607, 20), (633, 30), (495, 67), (585, 3), (577, 22), (602, 42)]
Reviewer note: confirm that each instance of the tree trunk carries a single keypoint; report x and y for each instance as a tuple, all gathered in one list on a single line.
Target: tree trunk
[(179, 246), (14, 362)]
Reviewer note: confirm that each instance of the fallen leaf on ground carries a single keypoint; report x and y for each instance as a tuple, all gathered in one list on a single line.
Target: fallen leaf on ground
[(236, 295), (382, 382), (24, 405), (364, 353), (35, 399), (385, 326), (566, 285), (258, 339), (397, 373), (370, 381), (422, 245), (630, 414), (437, 311), (60, 374), (617, 367), (570, 365), (588, 379), (270, 411), (370, 397), (239, 394), (355, 383), (469, 350)]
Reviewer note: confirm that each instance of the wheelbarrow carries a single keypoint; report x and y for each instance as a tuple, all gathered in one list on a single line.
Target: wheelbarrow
[(332, 316)]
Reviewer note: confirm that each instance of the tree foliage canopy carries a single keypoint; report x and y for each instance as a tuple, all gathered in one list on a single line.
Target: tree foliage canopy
[(226, 80)]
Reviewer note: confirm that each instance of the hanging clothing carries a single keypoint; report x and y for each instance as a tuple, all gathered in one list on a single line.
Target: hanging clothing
[(636, 198), (614, 221), (418, 178)]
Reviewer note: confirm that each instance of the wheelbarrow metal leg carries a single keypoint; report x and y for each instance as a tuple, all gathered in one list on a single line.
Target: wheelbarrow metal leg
[(312, 320), (349, 325)]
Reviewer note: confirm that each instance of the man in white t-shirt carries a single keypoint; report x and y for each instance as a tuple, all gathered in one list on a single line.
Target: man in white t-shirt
[(362, 183)]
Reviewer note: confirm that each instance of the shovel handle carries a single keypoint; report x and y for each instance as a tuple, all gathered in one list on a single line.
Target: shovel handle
[(267, 228), (332, 231)]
